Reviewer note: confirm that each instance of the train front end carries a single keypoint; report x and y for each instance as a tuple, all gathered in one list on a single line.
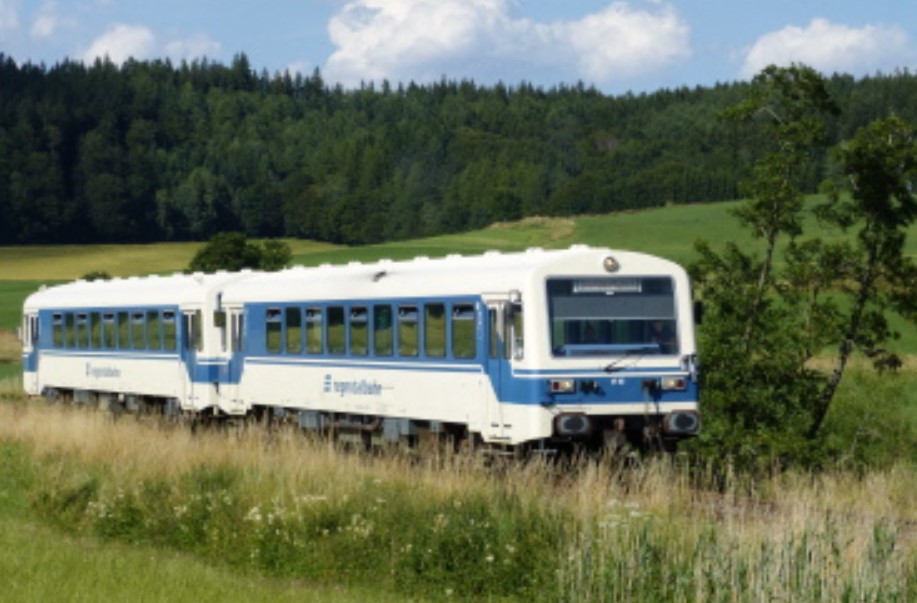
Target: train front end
[(611, 356)]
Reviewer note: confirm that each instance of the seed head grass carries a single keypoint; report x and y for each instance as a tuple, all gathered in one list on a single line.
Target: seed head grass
[(442, 525)]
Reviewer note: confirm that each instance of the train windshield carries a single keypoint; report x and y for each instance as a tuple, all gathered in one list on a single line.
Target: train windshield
[(612, 316)]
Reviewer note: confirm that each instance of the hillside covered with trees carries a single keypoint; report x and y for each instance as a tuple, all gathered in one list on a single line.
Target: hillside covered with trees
[(150, 151)]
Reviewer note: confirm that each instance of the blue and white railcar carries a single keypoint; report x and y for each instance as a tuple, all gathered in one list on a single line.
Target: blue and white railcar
[(534, 348), (130, 341)]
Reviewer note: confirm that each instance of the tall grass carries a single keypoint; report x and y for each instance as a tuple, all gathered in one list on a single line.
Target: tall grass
[(443, 526)]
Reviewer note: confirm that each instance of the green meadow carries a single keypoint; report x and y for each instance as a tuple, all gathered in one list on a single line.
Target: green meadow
[(670, 232)]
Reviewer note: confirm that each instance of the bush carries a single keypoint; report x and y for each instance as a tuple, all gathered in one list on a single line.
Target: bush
[(231, 251)]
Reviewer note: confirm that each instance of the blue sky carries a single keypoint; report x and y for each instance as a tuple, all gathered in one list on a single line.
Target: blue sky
[(618, 46)]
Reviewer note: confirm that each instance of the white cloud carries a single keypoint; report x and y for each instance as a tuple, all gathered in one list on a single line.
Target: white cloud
[(9, 15), (121, 43), (48, 22), (44, 26), (829, 47), (422, 40), (621, 41), (196, 46)]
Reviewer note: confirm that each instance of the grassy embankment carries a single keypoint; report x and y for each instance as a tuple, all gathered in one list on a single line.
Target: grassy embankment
[(231, 518)]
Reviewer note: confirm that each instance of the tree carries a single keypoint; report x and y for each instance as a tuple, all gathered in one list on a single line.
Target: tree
[(231, 251), (758, 386), (879, 170), (765, 321), (275, 255), (792, 104), (226, 251)]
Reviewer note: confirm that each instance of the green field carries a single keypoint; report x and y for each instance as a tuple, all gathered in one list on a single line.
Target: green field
[(669, 232)]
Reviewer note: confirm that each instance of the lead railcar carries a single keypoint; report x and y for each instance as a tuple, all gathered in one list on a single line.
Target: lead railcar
[(537, 350)]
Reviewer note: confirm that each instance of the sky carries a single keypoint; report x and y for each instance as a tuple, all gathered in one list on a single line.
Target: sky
[(617, 46)]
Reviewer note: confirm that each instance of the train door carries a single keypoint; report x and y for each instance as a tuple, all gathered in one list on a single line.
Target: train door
[(502, 317), (30, 348), (234, 374), (191, 343)]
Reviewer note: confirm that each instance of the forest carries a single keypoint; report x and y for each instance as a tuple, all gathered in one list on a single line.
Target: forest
[(151, 151)]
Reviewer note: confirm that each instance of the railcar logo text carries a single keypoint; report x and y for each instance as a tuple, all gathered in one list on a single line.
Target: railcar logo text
[(352, 388), (102, 371)]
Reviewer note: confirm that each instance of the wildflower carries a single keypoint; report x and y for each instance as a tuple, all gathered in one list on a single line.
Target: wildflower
[(254, 515)]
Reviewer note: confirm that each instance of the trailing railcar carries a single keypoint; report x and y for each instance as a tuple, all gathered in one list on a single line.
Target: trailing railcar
[(541, 349), (133, 341)]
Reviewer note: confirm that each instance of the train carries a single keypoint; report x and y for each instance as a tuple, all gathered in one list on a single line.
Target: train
[(538, 350)]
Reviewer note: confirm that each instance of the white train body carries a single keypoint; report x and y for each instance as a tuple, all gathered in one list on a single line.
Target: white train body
[(513, 349)]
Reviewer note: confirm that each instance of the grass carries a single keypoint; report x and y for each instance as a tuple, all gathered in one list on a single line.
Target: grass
[(276, 505), (40, 563), (68, 262)]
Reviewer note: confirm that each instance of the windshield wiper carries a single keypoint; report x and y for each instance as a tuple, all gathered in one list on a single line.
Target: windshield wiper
[(638, 350)]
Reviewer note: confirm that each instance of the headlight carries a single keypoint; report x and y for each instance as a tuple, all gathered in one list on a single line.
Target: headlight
[(562, 386), (674, 384)]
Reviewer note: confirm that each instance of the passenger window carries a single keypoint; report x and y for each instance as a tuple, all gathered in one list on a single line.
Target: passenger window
[(513, 335), (407, 331), (314, 331), (109, 331), (273, 330), (152, 327), (463, 331), (197, 331), (169, 332), (359, 331), (95, 330), (219, 322), (434, 339), (238, 322), (82, 330), (494, 334), (124, 334), (294, 330), (337, 342), (69, 331), (382, 331), (138, 336), (57, 330)]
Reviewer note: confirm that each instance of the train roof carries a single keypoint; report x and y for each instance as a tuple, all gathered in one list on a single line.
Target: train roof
[(176, 289), (491, 272), (452, 275)]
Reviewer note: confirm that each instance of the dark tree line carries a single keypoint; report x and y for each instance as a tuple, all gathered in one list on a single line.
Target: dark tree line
[(150, 151)]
